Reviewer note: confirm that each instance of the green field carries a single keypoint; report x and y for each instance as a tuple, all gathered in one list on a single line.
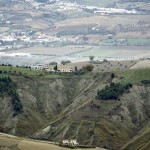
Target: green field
[(115, 51), (96, 53), (28, 72), (139, 41), (134, 75), (19, 70)]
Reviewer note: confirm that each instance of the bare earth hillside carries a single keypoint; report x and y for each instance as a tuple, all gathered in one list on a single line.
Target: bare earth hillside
[(57, 108)]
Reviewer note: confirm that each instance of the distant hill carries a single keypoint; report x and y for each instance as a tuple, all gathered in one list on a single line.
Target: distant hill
[(113, 3)]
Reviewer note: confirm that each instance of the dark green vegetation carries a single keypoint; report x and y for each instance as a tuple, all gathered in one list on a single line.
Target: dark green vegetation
[(57, 107), (9, 87), (145, 82), (88, 67), (113, 91)]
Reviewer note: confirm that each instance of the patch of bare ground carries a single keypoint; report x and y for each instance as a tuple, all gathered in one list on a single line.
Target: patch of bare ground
[(141, 64)]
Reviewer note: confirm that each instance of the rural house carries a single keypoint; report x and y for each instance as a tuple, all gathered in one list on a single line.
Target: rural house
[(70, 142)]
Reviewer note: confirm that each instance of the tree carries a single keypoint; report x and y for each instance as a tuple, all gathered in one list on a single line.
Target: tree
[(76, 69), (88, 67), (65, 62), (105, 60), (5, 72), (112, 75), (91, 58), (55, 68), (53, 63)]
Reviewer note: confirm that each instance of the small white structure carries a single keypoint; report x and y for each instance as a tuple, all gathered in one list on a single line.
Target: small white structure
[(74, 142), (70, 142), (65, 141)]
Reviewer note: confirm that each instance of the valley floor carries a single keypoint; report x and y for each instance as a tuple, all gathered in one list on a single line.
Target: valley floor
[(8, 142)]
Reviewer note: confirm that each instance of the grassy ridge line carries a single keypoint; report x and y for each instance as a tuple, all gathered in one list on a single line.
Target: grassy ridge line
[(134, 76), (26, 71)]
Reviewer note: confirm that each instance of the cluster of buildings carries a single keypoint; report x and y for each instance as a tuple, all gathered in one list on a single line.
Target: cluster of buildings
[(25, 37), (67, 6), (14, 40), (107, 11)]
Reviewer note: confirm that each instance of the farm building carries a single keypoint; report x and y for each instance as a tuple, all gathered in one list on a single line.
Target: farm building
[(70, 142)]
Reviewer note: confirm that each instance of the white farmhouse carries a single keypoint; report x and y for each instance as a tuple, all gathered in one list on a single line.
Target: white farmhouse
[(74, 142), (70, 142)]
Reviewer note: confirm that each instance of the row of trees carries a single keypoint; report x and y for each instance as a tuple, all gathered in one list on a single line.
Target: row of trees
[(9, 65), (146, 82)]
